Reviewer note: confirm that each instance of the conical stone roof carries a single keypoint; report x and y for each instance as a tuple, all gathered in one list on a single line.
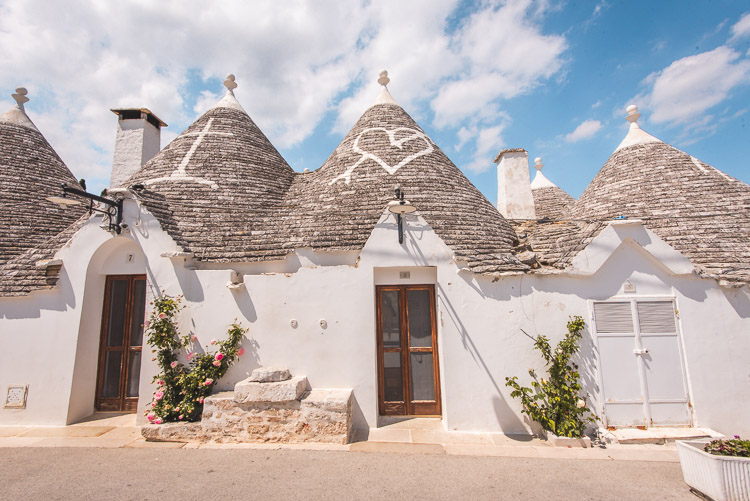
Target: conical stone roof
[(338, 205), (30, 171), (697, 209), (217, 187), (550, 201)]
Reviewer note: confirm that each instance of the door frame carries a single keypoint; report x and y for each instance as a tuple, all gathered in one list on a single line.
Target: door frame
[(633, 300), (122, 403), (409, 405)]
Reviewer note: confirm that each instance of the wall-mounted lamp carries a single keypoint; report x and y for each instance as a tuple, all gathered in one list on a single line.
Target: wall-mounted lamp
[(400, 207), (113, 210)]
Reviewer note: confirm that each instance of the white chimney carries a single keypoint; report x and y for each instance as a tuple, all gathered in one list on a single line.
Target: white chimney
[(138, 140), (514, 198)]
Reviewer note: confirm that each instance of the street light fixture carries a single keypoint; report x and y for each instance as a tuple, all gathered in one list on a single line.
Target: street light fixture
[(400, 207), (113, 207)]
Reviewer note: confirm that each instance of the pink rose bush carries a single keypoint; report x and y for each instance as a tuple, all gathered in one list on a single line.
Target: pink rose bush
[(181, 389)]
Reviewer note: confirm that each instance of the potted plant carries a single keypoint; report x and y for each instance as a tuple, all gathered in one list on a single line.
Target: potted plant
[(719, 469), (555, 401)]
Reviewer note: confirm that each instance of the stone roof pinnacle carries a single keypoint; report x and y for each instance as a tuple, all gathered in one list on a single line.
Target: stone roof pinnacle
[(385, 96), (229, 101), (17, 114), (635, 135), (540, 180)]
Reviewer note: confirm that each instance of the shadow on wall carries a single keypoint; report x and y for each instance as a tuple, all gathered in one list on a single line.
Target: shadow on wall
[(523, 291), (740, 301), (190, 285), (245, 304), (506, 417), (61, 298), (588, 363)]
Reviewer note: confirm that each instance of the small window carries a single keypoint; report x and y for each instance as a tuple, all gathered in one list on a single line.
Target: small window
[(613, 318), (656, 317)]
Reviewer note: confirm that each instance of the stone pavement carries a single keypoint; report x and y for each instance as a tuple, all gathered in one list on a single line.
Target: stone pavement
[(411, 436)]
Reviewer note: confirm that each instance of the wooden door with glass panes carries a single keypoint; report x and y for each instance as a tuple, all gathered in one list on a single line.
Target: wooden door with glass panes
[(409, 383), (120, 347)]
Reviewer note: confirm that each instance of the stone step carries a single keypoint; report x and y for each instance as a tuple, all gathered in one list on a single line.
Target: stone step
[(248, 391), (658, 436), (269, 375)]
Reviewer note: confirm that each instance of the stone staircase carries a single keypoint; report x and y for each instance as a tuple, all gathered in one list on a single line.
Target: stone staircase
[(269, 406)]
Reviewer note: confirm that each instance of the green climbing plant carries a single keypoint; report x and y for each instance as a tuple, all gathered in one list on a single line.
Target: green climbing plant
[(555, 401), (181, 388)]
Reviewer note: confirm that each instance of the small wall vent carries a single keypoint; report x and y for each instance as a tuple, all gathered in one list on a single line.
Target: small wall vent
[(16, 396)]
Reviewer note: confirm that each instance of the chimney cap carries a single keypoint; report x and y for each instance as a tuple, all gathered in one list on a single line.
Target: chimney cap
[(121, 112), (509, 150)]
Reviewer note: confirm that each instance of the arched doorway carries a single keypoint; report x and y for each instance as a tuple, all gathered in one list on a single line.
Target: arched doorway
[(121, 343)]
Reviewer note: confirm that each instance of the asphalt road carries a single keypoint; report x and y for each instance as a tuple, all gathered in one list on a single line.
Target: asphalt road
[(233, 475)]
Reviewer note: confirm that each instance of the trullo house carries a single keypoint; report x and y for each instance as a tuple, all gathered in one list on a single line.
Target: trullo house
[(425, 316)]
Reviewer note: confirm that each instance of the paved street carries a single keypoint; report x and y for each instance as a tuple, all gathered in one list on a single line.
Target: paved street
[(234, 474)]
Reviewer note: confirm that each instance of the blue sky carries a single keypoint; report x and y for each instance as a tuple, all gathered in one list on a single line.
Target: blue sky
[(551, 77)]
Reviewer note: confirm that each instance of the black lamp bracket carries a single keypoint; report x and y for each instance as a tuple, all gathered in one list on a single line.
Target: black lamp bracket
[(113, 209)]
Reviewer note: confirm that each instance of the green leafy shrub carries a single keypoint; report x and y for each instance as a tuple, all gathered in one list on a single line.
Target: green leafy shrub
[(181, 388), (554, 402), (734, 447)]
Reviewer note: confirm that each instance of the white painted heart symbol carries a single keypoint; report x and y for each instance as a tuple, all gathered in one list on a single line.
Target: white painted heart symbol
[(411, 135)]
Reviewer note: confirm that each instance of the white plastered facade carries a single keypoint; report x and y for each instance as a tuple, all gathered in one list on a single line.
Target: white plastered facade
[(51, 337)]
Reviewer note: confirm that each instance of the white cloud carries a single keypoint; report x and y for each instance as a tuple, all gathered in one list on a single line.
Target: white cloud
[(690, 86), (585, 130), (485, 141), (293, 61), (742, 27)]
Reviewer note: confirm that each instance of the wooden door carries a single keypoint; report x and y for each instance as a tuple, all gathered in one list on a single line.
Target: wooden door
[(120, 347), (409, 382)]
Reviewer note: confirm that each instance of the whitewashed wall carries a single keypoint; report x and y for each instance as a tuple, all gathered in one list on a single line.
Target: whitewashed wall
[(51, 337), (479, 321)]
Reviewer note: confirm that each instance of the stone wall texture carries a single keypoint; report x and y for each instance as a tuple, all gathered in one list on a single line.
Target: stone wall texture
[(323, 416)]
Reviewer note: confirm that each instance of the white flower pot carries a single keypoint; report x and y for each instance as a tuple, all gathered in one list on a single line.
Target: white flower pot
[(723, 478)]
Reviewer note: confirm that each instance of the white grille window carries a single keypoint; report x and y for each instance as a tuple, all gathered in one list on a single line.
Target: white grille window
[(656, 317), (613, 317)]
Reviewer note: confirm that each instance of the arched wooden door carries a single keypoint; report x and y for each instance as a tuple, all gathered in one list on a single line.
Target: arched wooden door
[(120, 347)]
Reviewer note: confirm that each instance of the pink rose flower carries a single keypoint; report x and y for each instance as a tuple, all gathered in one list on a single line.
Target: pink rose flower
[(153, 404), (180, 416), (160, 382), (146, 324), (194, 338), (240, 352), (157, 421), (162, 315), (159, 395), (216, 363), (190, 356), (201, 400), (213, 342), (173, 364), (219, 356), (209, 382), (151, 416)]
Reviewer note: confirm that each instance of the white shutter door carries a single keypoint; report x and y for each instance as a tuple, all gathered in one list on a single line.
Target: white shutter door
[(621, 384), (665, 379)]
